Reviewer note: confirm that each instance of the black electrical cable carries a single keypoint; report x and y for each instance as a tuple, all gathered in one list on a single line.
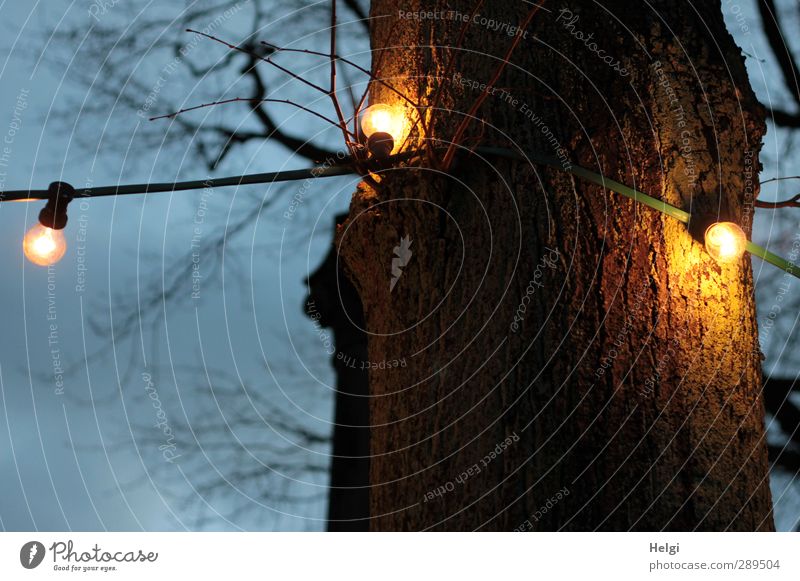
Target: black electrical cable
[(347, 166)]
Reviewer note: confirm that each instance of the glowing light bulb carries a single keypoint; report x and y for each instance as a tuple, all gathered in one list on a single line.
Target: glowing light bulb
[(44, 246), (725, 242), (384, 126), (383, 118)]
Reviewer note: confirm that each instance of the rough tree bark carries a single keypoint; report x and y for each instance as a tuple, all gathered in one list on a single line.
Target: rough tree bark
[(629, 396)]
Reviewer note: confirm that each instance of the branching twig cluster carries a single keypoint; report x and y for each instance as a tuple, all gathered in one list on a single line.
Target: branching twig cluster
[(353, 138)]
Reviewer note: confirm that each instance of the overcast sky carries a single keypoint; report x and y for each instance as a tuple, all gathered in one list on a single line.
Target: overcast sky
[(85, 455)]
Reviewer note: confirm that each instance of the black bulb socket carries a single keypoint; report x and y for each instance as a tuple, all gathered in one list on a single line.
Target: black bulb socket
[(54, 213), (380, 145)]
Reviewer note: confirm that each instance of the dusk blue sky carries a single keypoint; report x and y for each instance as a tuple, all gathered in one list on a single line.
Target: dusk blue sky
[(82, 460)]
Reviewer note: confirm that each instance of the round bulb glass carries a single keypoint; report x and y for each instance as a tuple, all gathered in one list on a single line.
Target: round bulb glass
[(383, 119), (725, 242), (44, 246)]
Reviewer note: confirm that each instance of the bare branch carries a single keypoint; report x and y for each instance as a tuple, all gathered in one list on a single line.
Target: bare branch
[(775, 37), (360, 13), (295, 144)]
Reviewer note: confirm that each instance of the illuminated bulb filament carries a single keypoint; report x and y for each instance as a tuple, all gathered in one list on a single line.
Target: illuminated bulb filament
[(725, 242), (44, 246)]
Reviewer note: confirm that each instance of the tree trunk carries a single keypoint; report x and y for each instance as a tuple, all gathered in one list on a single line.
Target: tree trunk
[(574, 361)]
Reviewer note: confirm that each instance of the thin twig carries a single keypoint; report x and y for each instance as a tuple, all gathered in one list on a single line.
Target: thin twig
[(350, 92), (347, 62), (793, 202), (454, 142), (332, 91), (420, 117), (780, 179), (246, 100), (261, 58), (434, 103), (452, 62), (361, 155)]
